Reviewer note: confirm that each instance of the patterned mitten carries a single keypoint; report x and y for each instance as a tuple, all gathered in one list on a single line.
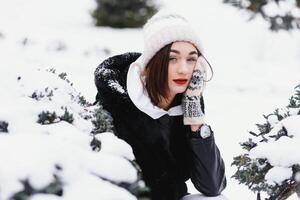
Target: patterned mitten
[(192, 112)]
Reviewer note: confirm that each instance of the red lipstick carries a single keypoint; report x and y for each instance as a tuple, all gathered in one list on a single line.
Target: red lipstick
[(180, 81)]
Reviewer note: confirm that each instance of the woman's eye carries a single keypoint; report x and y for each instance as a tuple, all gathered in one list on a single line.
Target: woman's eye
[(172, 59), (192, 59)]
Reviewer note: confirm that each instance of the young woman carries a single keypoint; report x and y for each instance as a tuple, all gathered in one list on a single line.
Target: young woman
[(155, 100)]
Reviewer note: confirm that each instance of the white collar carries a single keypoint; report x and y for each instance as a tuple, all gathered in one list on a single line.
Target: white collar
[(139, 96)]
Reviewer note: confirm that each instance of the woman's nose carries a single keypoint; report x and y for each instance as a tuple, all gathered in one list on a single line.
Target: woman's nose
[(183, 68)]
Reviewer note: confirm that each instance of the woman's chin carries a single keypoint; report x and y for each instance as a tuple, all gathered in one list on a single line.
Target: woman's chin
[(179, 89)]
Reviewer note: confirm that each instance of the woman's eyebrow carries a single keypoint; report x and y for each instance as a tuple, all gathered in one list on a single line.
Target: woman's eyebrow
[(193, 52), (175, 51), (178, 52)]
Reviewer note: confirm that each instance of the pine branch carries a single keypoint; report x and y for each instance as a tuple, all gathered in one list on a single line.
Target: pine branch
[(3, 127), (251, 172), (285, 21)]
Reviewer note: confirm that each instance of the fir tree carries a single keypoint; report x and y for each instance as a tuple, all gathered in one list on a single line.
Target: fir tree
[(67, 117), (3, 127), (55, 187), (38, 95), (102, 121), (68, 107), (251, 172), (46, 117), (122, 14), (95, 144), (286, 21)]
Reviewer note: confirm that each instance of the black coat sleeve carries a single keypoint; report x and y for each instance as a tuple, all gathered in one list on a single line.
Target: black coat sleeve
[(207, 166)]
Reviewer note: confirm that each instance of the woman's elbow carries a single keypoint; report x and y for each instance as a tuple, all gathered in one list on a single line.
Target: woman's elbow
[(212, 188)]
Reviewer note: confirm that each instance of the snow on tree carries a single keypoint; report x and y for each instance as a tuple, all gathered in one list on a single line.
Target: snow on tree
[(271, 163), (280, 14), (55, 145)]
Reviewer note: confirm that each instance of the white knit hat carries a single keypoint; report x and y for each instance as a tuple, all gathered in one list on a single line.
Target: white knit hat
[(164, 28)]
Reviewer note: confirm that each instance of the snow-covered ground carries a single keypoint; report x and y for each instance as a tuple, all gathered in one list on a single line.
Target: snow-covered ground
[(255, 70)]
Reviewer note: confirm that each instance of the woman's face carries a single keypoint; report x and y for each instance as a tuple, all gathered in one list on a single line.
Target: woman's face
[(182, 60)]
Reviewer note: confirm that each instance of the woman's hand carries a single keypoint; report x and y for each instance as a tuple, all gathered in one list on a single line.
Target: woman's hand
[(195, 127)]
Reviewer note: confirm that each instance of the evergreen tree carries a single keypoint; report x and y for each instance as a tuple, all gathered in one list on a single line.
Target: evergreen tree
[(123, 13), (51, 105), (55, 187), (286, 21), (251, 172), (102, 121), (3, 127)]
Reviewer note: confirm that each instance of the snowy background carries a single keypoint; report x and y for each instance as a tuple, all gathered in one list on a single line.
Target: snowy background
[(255, 71)]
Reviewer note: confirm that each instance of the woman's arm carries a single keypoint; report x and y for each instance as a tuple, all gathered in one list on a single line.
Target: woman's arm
[(207, 166)]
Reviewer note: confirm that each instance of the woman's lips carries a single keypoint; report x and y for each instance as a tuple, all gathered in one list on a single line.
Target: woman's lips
[(180, 81)]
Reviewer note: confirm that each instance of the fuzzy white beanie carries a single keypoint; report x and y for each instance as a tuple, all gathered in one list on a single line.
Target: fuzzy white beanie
[(164, 28)]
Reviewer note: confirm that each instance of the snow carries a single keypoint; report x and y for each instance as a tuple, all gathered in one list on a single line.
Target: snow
[(32, 151), (280, 8), (255, 71), (115, 146), (116, 86), (285, 156), (294, 197), (45, 197), (104, 190), (278, 174), (33, 157), (273, 119), (292, 124), (281, 153)]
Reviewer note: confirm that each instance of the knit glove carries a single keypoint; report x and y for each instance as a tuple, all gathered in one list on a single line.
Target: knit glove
[(192, 112)]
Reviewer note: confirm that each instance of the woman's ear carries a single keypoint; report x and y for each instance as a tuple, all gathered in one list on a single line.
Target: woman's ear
[(144, 72)]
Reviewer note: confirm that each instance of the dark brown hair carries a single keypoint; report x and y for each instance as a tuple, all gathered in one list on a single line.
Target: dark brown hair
[(157, 74)]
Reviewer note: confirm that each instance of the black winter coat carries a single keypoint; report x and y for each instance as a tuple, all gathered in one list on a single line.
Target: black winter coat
[(162, 147)]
